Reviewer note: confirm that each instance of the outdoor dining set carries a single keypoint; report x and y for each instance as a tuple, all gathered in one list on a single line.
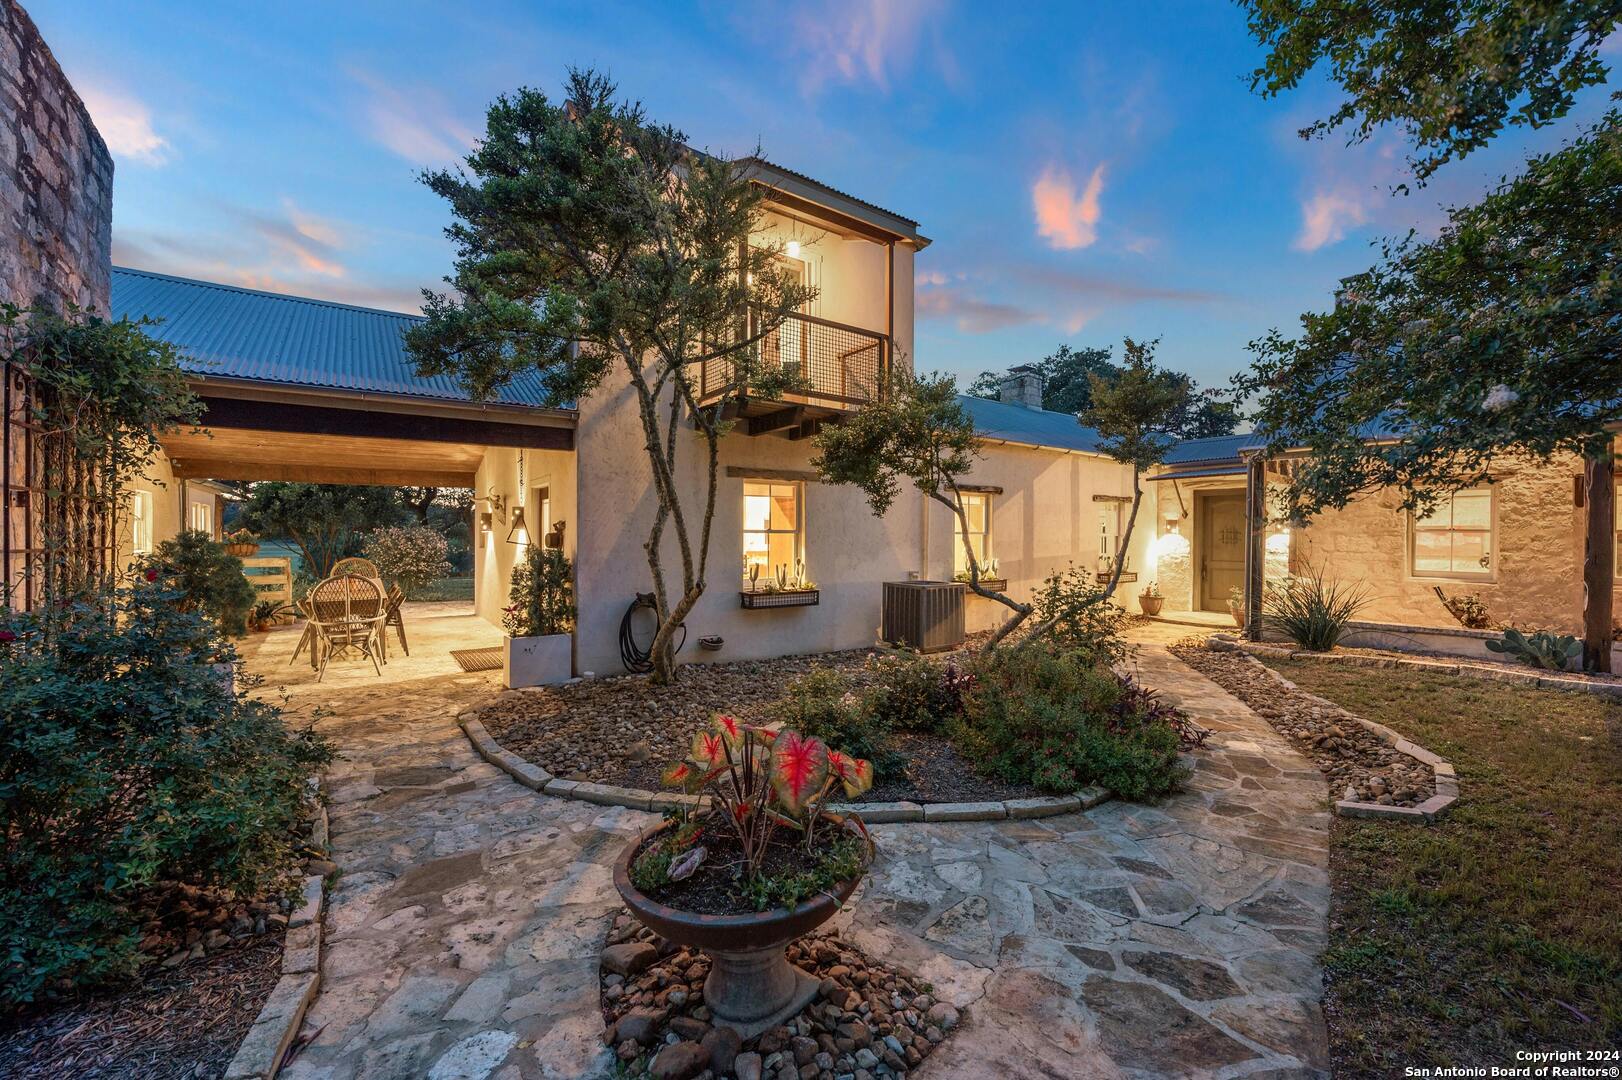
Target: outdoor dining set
[(351, 612)]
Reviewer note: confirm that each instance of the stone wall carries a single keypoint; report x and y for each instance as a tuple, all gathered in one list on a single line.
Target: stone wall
[(56, 178)]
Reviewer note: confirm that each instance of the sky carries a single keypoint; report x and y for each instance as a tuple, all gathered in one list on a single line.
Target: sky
[(1087, 171)]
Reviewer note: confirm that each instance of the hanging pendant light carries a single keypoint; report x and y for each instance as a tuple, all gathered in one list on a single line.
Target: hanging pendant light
[(519, 533)]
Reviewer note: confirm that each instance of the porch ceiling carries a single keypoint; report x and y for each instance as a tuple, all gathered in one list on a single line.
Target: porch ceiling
[(248, 454)]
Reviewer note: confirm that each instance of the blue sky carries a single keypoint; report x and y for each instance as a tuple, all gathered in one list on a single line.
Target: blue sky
[(1086, 171)]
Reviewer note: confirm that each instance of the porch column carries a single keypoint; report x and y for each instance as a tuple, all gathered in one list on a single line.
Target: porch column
[(1599, 559), (1255, 538)]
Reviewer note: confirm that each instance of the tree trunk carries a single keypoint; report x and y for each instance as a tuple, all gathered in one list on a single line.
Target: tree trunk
[(1599, 559)]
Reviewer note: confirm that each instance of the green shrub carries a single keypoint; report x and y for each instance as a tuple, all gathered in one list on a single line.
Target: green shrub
[(1057, 718), (1081, 620), (542, 594), (911, 692), (124, 761), (1311, 612), (204, 578), (412, 556), (822, 704)]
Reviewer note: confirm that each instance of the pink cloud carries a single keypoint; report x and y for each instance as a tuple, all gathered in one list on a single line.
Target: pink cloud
[(1064, 219), (856, 41), (417, 124), (125, 123), (1326, 217)]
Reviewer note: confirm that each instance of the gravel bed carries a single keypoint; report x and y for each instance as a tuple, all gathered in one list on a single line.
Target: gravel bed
[(868, 1021), (625, 730), (1348, 754)]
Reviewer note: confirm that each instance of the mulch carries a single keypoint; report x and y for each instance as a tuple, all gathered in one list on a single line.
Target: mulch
[(183, 1023)]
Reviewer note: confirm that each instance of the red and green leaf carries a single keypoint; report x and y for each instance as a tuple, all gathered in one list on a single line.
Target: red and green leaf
[(856, 774), (729, 729), (798, 768), (709, 749), (679, 775)]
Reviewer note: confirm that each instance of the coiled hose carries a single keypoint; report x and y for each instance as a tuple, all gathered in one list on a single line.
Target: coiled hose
[(637, 660)]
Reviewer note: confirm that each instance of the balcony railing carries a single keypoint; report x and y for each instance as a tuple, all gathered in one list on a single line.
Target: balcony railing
[(833, 363)]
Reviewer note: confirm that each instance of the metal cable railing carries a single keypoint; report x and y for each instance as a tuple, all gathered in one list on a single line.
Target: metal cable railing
[(829, 361)]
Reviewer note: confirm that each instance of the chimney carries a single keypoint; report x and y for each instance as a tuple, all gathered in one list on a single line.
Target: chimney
[(1021, 386)]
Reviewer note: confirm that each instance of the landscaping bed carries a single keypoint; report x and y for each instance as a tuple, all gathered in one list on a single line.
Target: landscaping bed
[(868, 1018), (183, 1022), (1356, 762), (1498, 929), (625, 730)]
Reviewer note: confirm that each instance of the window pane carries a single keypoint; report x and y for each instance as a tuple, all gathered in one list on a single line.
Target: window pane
[(783, 552), (757, 509), (1433, 551), (1438, 518), (1470, 553), (1472, 510), (784, 507), (974, 508)]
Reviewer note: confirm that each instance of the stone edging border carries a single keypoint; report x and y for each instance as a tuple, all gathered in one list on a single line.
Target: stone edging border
[(1446, 779), (1463, 667), (263, 1048), (536, 778)]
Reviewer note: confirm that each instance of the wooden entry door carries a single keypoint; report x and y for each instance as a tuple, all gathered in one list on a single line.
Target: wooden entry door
[(1220, 522)]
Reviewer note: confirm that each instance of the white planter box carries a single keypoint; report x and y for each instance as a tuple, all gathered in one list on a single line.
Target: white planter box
[(537, 661)]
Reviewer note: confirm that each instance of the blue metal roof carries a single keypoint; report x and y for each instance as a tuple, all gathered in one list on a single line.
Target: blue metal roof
[(1034, 427), (1216, 448), (239, 333)]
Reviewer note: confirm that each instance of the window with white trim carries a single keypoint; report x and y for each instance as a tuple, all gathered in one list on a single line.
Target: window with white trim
[(141, 522), (977, 509), (1109, 535), (1455, 539), (773, 531), (202, 517)]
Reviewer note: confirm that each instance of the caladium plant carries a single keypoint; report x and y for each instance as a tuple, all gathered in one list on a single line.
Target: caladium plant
[(759, 780)]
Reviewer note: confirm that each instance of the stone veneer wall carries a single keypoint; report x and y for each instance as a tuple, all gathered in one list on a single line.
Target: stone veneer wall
[(56, 200), (1539, 546)]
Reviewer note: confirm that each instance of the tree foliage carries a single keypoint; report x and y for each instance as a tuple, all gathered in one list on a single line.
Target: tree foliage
[(325, 521), (1502, 336), (204, 579), (593, 245), (1453, 73), (412, 556)]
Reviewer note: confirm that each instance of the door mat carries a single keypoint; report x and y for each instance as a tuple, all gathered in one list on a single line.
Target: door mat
[(478, 659)]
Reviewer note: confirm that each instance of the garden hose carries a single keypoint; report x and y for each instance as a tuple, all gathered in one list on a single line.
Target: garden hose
[(637, 660)]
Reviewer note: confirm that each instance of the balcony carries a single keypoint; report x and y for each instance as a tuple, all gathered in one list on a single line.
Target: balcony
[(838, 367)]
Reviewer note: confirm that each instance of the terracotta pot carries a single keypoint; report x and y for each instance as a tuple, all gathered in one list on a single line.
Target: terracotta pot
[(751, 986), (242, 551), (1150, 604), (1237, 610)]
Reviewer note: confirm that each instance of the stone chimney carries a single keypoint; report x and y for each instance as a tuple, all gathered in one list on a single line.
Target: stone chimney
[(1021, 386)]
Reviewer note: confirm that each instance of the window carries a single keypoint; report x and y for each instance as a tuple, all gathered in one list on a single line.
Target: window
[(202, 517), (1454, 539), (977, 509), (141, 522), (1109, 535), (772, 536)]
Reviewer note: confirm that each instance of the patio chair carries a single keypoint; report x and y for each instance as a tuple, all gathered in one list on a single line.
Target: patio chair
[(356, 565), (393, 617), (308, 638), (348, 614)]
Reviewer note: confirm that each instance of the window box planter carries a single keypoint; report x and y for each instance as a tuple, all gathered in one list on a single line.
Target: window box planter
[(992, 584), (537, 661), (781, 598)]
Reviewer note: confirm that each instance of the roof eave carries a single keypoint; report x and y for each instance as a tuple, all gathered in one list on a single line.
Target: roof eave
[(206, 385)]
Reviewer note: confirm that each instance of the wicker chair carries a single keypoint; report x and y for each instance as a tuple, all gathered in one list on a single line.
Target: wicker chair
[(347, 613), (393, 617), (308, 638), (356, 565)]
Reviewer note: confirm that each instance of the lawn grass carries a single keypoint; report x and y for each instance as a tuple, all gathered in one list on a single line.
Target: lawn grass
[(446, 588), (1499, 928)]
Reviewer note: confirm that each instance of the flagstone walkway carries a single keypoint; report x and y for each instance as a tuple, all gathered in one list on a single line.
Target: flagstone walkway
[(1175, 940)]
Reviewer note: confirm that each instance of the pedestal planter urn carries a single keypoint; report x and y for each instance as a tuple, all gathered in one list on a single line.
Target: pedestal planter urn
[(1150, 603), (537, 661), (751, 986)]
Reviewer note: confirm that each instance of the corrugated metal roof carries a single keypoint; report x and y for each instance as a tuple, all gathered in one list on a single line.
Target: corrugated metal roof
[(831, 189), (241, 333), (1216, 448), (1195, 474), (1033, 427)]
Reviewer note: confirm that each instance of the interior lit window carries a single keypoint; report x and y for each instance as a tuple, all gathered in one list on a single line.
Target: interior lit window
[(202, 518), (772, 532), (1455, 538), (1109, 533), (141, 522), (977, 509)]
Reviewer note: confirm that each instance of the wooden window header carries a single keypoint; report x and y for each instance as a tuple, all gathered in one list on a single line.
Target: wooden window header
[(797, 476), (1112, 498), (980, 489)]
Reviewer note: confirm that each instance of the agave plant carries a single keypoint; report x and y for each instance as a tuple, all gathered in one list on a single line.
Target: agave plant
[(1310, 611), (1544, 650), (760, 780)]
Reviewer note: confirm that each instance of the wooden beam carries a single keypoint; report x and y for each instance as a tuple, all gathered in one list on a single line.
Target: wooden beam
[(230, 412), (1599, 560), (807, 429), (745, 472), (1255, 550), (206, 469), (985, 489), (775, 421)]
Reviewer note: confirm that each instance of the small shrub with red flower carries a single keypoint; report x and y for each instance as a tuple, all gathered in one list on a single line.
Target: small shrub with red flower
[(764, 836)]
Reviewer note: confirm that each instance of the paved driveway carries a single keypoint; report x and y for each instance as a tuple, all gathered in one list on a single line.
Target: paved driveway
[(1176, 940)]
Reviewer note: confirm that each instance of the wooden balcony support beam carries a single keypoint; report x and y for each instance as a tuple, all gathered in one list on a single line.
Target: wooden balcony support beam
[(776, 421)]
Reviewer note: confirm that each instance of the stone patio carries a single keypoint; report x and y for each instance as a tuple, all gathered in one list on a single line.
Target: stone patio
[(1177, 940)]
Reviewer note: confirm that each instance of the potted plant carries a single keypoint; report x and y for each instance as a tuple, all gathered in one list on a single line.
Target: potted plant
[(242, 543), (762, 862), (263, 614), (540, 620), (1150, 599), (1236, 606)]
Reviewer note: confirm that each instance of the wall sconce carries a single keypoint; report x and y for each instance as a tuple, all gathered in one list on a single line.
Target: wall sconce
[(792, 249), (484, 523), (518, 534)]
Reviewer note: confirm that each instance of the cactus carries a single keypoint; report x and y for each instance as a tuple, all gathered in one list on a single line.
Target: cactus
[(1543, 650)]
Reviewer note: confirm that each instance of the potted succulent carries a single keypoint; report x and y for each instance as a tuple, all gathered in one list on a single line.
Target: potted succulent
[(759, 863), (242, 543), (263, 614), (540, 620), (1150, 599), (1236, 606)]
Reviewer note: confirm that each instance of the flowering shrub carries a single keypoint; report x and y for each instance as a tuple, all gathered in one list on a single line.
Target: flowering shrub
[(760, 781), (411, 556), (124, 761)]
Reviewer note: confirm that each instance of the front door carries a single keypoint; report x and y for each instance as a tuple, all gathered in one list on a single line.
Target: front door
[(1220, 522)]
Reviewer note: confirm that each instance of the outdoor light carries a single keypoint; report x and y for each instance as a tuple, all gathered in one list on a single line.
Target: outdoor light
[(792, 249), (484, 523), (518, 534)]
